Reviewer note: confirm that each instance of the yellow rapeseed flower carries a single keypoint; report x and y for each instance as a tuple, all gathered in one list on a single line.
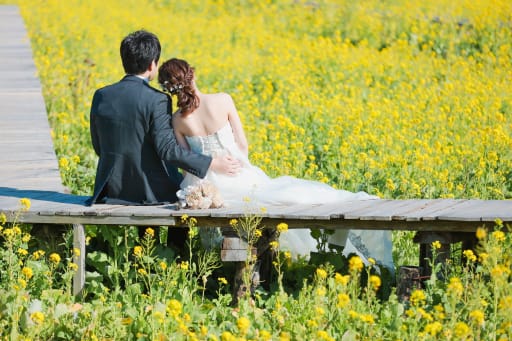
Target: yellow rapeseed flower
[(64, 163), (26, 238), (477, 316), (341, 279), (222, 280), (227, 336), (481, 233), (433, 328), (367, 318), (436, 245), (38, 254), (455, 287), (243, 324), (54, 258), (311, 323), (375, 282), (284, 336), (265, 335), (321, 273), (321, 291), (470, 255), (417, 297), (150, 232), (22, 283), (343, 300), (505, 303), (174, 307), (323, 335), (203, 330), (355, 263), (274, 244), (37, 317), (25, 204), (482, 256), (137, 251), (27, 272), (498, 236), (461, 330), (282, 227)]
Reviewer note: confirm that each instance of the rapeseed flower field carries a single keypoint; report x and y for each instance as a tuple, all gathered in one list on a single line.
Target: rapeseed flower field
[(398, 98)]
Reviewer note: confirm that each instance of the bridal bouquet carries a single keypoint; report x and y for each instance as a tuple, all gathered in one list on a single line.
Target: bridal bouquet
[(202, 195)]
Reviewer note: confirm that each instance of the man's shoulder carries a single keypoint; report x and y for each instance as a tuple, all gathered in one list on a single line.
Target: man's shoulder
[(132, 84), (155, 91)]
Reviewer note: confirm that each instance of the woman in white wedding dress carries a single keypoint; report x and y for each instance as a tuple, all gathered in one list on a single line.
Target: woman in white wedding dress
[(209, 124)]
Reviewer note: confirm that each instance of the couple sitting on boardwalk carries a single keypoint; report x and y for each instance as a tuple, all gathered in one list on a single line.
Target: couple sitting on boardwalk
[(141, 146)]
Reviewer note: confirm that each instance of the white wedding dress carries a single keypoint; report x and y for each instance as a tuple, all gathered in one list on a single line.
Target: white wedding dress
[(254, 185)]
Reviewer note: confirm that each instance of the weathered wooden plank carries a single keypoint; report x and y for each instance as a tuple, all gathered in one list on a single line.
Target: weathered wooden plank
[(380, 210), (430, 209), (138, 211), (315, 212), (302, 211), (395, 210), (483, 210)]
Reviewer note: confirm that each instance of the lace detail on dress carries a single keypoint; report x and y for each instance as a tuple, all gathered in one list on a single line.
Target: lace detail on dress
[(359, 244), (210, 145)]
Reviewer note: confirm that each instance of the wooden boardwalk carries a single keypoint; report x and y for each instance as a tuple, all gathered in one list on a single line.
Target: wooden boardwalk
[(29, 169), (435, 215), (26, 151)]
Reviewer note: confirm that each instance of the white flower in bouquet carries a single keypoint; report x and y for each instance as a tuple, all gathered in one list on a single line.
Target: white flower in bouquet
[(201, 196)]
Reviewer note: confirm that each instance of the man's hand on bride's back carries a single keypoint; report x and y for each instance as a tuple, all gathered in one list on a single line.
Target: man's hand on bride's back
[(226, 164)]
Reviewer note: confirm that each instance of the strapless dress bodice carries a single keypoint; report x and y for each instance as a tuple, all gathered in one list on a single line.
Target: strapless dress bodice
[(214, 144)]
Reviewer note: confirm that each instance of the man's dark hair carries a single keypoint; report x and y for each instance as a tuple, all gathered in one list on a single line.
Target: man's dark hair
[(138, 50)]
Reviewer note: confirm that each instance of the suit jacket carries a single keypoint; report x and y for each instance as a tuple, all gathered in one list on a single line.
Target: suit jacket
[(131, 132)]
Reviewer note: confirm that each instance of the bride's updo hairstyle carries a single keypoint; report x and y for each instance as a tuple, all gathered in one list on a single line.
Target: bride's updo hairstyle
[(176, 77)]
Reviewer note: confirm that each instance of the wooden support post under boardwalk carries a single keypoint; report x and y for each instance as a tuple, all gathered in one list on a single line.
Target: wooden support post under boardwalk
[(79, 258)]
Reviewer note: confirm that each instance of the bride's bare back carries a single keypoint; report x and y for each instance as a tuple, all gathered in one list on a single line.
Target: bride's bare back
[(212, 114)]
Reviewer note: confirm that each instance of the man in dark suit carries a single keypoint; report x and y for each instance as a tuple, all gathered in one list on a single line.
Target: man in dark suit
[(131, 132)]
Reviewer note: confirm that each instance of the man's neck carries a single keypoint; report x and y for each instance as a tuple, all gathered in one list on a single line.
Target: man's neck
[(146, 75), (143, 77)]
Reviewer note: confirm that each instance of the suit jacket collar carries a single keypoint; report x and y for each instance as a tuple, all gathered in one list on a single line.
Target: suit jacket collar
[(135, 78)]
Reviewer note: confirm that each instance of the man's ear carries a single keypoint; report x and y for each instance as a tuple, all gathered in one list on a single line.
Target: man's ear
[(152, 66)]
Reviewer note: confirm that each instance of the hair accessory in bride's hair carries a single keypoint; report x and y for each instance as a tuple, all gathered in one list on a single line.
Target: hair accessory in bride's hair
[(172, 89), (200, 196)]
